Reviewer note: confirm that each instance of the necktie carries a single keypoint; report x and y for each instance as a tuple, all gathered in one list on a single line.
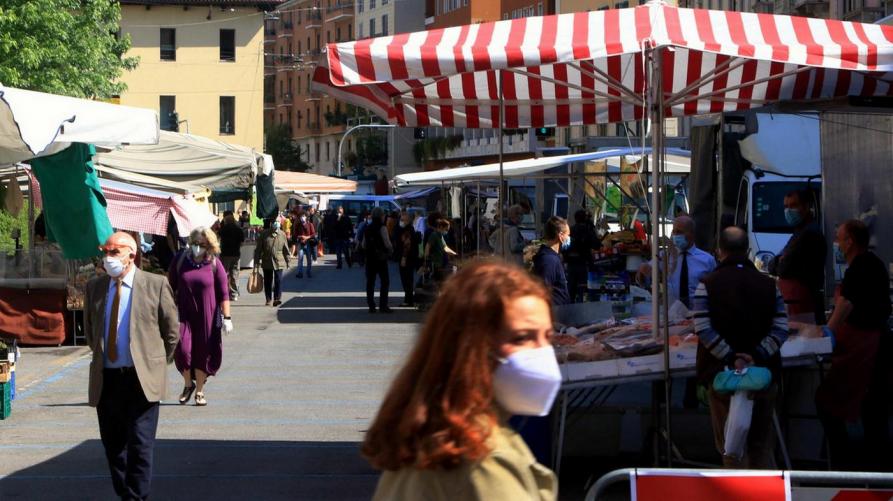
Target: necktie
[(683, 281), (112, 345)]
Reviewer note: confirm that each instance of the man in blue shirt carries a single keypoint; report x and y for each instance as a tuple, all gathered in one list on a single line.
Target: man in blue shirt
[(688, 265), (547, 262), (128, 373)]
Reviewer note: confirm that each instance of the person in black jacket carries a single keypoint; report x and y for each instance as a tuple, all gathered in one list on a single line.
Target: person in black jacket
[(547, 262), (342, 230), (231, 239), (740, 319), (579, 257), (377, 248), (327, 231), (406, 252)]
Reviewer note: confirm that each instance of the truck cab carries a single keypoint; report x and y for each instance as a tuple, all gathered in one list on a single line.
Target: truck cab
[(784, 156)]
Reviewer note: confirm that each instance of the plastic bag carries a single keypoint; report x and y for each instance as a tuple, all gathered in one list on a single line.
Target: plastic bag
[(738, 424)]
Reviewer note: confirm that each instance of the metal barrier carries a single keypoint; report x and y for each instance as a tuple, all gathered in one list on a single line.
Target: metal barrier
[(798, 478)]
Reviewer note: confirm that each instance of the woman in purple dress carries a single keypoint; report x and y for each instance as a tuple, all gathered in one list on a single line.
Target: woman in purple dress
[(200, 284)]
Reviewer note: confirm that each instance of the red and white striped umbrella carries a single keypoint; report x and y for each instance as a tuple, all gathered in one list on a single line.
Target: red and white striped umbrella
[(590, 67)]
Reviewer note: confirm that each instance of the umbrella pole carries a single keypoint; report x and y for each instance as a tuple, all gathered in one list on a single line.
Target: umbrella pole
[(501, 173), (657, 316)]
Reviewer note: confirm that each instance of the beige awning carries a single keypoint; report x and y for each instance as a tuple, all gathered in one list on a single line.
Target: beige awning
[(312, 183)]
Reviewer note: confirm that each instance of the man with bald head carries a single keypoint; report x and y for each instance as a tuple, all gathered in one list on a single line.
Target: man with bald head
[(688, 265), (131, 324), (741, 321)]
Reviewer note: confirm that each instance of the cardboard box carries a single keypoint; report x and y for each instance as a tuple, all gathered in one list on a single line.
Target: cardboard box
[(581, 371), (684, 357), (648, 364)]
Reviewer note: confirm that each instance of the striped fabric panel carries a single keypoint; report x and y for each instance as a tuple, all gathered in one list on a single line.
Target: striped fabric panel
[(556, 69)]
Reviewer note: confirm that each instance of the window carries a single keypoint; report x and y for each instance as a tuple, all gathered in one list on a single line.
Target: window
[(621, 5), (228, 45), (289, 86), (281, 88), (168, 44), (350, 32), (360, 6), (328, 151), (299, 88), (167, 108), (384, 2), (317, 152), (338, 34), (372, 27), (384, 24), (539, 9), (227, 115), (371, 4), (360, 31), (328, 37), (300, 50)]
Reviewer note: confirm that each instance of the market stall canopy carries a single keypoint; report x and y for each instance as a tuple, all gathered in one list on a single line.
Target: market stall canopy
[(135, 208), (312, 183), (411, 195), (590, 67), (524, 168), (185, 159), (35, 123), (155, 183)]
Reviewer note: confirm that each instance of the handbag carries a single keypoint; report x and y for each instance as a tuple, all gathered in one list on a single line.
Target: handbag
[(747, 379), (255, 282)]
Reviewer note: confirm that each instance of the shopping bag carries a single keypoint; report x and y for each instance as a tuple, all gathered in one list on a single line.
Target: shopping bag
[(255, 282), (749, 379), (738, 424)]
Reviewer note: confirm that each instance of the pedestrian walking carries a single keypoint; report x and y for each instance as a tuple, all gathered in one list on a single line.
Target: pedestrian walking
[(437, 252), (328, 230), (231, 239), (740, 319), (305, 236), (483, 355), (377, 247), (272, 255), (359, 251), (406, 251), (128, 373), (315, 218), (343, 231), (199, 282)]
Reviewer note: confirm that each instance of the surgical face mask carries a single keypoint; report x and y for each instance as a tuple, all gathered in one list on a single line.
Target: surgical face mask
[(839, 256), (303, 219), (566, 244), (403, 224), (113, 266), (680, 242), (276, 226), (197, 250), (793, 217), (527, 382)]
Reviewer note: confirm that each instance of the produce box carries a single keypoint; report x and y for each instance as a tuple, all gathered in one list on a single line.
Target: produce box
[(581, 371), (648, 364), (683, 357), (5, 372), (5, 400)]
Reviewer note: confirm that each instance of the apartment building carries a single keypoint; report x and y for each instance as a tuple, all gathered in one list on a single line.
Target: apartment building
[(201, 65), (446, 13)]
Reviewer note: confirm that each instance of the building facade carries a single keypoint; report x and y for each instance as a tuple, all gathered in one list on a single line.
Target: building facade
[(201, 66)]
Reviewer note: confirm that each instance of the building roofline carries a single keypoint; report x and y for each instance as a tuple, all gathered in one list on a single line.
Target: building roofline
[(261, 4)]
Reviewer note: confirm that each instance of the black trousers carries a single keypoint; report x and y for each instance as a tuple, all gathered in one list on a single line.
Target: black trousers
[(127, 425), (376, 268), (407, 279), (273, 284)]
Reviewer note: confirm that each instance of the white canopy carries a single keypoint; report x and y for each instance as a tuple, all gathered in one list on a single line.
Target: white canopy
[(676, 159), (184, 159), (34, 124), (312, 183)]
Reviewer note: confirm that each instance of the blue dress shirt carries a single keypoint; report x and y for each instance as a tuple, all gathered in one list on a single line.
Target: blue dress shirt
[(700, 264), (123, 341)]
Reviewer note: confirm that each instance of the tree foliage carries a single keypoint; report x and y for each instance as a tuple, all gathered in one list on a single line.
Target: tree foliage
[(286, 153), (67, 47)]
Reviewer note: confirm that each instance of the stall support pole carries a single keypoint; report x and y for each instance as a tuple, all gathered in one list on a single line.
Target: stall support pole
[(501, 174), (478, 219), (657, 144)]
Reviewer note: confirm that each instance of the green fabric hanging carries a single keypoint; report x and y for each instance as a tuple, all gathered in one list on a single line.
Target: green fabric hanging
[(73, 202)]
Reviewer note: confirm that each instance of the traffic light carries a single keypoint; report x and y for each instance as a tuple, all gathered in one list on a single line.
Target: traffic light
[(420, 133), (544, 132)]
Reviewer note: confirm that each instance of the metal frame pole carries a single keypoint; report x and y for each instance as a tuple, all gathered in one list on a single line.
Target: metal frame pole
[(501, 173), (477, 217)]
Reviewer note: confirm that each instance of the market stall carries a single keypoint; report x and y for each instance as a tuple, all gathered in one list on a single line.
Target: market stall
[(640, 64)]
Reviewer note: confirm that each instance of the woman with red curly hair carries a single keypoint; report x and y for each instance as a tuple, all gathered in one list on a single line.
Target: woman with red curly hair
[(483, 355)]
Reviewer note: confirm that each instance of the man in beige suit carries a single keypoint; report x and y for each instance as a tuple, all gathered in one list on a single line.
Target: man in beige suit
[(131, 324)]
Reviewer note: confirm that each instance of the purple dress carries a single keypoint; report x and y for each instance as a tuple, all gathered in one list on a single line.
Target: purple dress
[(200, 289)]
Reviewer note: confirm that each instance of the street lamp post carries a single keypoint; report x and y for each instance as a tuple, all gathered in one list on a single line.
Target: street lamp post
[(355, 127)]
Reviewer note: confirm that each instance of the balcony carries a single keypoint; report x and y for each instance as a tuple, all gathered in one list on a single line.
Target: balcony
[(339, 12), (287, 30), (487, 146), (287, 99), (314, 21), (811, 8)]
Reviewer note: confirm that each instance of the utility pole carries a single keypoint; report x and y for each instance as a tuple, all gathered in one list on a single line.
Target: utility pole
[(349, 131)]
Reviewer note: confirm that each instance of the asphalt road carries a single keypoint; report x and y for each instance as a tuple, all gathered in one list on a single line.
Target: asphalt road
[(298, 386)]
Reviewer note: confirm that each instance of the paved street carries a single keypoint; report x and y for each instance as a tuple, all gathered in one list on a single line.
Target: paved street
[(286, 412)]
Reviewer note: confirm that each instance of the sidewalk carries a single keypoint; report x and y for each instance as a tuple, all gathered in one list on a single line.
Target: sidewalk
[(298, 386)]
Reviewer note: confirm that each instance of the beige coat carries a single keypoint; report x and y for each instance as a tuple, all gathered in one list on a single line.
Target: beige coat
[(510, 472), (154, 332), (272, 250)]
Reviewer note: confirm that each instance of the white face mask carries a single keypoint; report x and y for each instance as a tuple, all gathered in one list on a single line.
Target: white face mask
[(527, 382), (113, 266), (403, 224), (197, 250), (303, 219)]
